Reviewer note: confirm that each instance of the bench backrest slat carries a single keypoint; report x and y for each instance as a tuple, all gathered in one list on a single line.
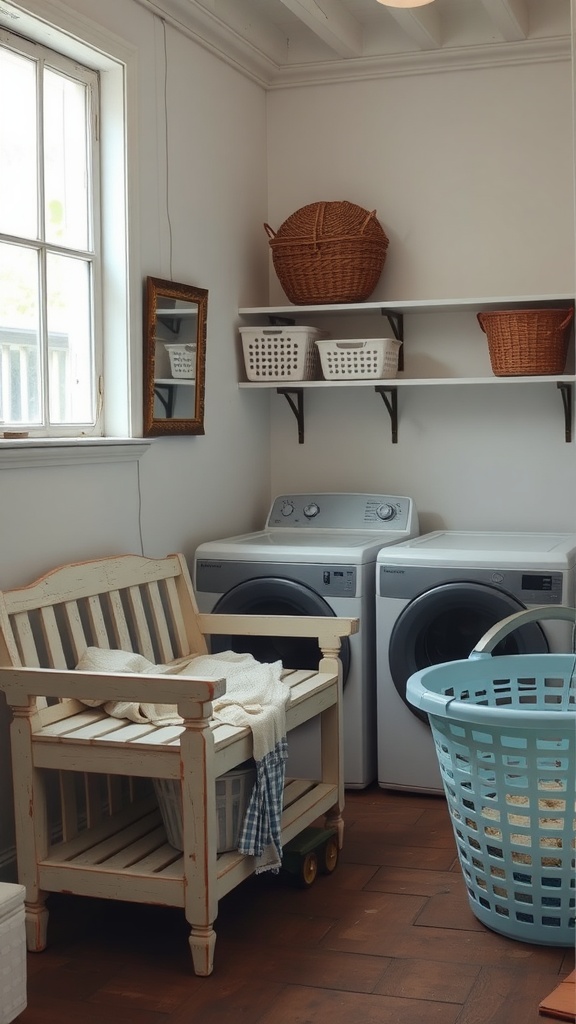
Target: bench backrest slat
[(97, 623), (52, 638), (158, 615), (144, 642), (74, 629), (122, 641), (24, 641)]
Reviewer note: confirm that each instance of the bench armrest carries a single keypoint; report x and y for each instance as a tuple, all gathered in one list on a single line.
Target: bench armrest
[(19, 684), (328, 630)]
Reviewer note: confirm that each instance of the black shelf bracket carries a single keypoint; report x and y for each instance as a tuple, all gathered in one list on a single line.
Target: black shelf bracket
[(166, 399), (566, 390), (295, 399), (281, 321), (390, 399), (396, 321), (171, 323)]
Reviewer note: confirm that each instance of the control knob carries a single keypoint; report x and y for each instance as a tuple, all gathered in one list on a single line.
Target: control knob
[(311, 510), (287, 508), (386, 512)]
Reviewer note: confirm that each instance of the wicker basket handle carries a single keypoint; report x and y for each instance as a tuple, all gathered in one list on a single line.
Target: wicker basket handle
[(501, 629), (567, 319), (367, 220), (318, 223), (269, 231)]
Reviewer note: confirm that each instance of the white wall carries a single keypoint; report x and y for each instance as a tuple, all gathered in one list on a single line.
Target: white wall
[(185, 489), (471, 174)]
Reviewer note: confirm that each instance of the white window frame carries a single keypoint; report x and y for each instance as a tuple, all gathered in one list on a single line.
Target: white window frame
[(48, 58), (115, 59)]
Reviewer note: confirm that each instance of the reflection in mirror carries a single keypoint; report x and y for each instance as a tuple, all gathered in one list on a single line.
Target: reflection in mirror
[(174, 358)]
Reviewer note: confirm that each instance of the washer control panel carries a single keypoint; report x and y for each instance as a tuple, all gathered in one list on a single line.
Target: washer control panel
[(341, 511), (218, 576)]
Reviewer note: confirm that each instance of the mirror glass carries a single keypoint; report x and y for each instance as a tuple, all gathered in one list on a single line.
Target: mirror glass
[(174, 358)]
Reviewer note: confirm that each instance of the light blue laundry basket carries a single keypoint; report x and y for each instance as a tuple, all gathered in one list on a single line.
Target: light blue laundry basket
[(505, 735)]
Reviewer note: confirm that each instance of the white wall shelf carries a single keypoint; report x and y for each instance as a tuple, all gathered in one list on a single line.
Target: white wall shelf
[(411, 306), (176, 381), (394, 312)]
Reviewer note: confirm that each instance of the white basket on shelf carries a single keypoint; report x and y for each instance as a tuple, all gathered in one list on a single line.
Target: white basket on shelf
[(182, 359), (281, 353), (233, 791), (359, 359)]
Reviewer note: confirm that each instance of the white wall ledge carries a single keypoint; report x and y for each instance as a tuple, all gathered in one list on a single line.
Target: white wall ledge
[(40, 452)]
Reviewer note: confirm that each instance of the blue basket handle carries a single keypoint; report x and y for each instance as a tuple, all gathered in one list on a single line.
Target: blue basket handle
[(497, 633)]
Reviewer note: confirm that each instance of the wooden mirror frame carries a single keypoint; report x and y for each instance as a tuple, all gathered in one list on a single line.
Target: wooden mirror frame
[(175, 297)]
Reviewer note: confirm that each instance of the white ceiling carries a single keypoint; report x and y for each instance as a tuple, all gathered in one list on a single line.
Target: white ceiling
[(284, 42)]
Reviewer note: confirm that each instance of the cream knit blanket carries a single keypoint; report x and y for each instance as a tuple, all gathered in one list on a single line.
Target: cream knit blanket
[(255, 696)]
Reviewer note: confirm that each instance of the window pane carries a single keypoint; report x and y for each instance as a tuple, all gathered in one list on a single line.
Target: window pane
[(70, 359), (65, 162), (20, 392), (18, 144)]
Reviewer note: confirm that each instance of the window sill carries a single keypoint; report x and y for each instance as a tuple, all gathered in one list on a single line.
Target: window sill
[(32, 452)]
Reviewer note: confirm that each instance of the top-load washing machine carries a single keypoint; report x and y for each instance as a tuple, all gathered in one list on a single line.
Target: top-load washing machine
[(315, 556), (436, 596)]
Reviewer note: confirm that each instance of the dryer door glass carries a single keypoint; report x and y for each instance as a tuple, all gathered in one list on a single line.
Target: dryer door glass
[(271, 596), (445, 624)]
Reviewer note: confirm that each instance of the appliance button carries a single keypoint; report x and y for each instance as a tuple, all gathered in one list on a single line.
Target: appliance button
[(386, 512), (311, 510)]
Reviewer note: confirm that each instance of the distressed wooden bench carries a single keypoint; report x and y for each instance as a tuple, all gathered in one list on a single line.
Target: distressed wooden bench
[(86, 819)]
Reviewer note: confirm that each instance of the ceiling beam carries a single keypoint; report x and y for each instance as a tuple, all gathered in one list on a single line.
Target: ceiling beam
[(421, 25), (332, 23), (510, 18)]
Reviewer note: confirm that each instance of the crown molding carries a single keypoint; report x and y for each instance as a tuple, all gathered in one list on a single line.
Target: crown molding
[(423, 63), (214, 35)]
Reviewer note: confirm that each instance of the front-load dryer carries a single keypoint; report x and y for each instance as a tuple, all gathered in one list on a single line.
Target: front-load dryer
[(315, 556), (436, 595)]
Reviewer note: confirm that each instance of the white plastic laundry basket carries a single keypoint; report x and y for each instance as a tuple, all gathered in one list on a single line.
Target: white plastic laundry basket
[(280, 353), (233, 791), (359, 359), (182, 360), (12, 952)]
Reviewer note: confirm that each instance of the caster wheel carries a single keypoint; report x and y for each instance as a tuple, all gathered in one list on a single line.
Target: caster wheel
[(330, 855), (308, 870)]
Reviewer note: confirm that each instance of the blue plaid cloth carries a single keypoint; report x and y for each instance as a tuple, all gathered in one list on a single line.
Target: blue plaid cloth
[(263, 821)]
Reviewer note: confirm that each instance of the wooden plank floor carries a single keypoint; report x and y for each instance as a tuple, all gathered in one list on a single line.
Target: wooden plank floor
[(387, 938)]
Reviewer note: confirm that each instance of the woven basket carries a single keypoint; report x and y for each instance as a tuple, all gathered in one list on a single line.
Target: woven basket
[(527, 342), (328, 252)]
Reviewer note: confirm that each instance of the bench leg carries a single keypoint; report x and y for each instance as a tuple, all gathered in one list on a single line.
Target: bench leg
[(36, 924), (335, 820), (202, 942)]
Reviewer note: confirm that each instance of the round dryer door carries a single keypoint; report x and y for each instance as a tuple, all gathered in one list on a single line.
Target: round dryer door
[(445, 624), (271, 596)]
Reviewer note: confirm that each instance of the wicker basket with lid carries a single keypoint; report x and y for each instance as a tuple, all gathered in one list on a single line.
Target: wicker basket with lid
[(328, 252)]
